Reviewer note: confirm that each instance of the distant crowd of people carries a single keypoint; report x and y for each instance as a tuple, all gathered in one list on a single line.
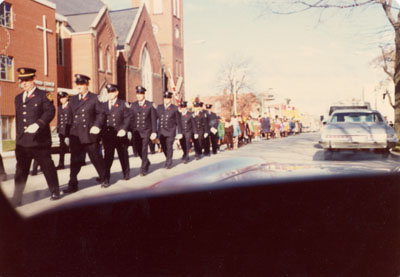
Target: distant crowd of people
[(236, 131)]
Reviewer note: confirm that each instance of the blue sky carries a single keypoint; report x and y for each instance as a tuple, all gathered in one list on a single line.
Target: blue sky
[(312, 60)]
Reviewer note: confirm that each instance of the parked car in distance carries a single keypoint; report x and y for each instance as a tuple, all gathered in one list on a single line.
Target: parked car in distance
[(357, 129)]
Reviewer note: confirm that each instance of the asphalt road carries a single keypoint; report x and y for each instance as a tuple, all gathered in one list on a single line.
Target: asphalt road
[(287, 154)]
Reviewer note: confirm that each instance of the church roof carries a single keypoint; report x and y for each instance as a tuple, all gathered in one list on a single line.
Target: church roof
[(75, 7), (122, 21), (81, 22)]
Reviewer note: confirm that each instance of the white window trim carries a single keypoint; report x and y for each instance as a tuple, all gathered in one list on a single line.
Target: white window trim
[(100, 57)]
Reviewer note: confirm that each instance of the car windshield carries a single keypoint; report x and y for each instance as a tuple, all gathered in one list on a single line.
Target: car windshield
[(111, 97), (356, 117)]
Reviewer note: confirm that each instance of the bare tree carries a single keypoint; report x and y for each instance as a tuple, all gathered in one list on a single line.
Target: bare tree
[(234, 76), (392, 14), (386, 62)]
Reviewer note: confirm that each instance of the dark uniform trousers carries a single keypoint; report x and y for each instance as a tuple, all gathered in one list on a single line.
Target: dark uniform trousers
[(206, 141), (64, 121), (169, 123), (142, 144), (38, 109), (110, 143), (117, 118), (24, 156), (63, 148), (201, 123), (78, 159), (213, 123), (143, 124), (188, 131), (86, 113)]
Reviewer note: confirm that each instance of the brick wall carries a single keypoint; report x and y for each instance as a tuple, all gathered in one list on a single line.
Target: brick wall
[(27, 49)]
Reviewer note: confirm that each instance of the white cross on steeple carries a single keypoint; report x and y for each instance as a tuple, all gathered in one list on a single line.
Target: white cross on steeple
[(45, 31)]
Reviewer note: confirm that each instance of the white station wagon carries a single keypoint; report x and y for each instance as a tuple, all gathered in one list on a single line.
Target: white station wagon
[(357, 129)]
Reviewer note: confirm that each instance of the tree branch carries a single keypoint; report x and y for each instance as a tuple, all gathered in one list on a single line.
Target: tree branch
[(390, 99)]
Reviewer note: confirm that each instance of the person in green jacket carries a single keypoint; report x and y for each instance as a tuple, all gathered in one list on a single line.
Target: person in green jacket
[(221, 131)]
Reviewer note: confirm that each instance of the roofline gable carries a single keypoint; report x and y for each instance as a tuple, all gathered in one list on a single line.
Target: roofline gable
[(98, 17), (46, 3), (135, 22)]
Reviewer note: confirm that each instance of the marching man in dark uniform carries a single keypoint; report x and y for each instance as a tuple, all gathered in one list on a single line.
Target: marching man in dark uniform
[(201, 123), (87, 119), (114, 134), (34, 111), (169, 119), (213, 125), (144, 126), (188, 131), (205, 140), (64, 121)]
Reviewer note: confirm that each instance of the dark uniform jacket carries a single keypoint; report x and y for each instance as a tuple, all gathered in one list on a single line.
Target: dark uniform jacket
[(188, 124), (38, 108), (86, 113), (212, 120), (168, 120), (143, 118), (201, 122), (118, 118), (64, 119)]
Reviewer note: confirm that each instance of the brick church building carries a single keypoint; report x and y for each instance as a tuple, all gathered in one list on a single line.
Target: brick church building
[(27, 39), (61, 38)]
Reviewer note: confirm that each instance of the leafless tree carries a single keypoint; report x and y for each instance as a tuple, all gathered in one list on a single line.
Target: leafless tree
[(386, 61), (389, 10), (235, 76)]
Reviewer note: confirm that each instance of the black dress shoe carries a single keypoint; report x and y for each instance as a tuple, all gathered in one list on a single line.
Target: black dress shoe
[(185, 161), (169, 166), (55, 196), (61, 166), (105, 184), (126, 177)]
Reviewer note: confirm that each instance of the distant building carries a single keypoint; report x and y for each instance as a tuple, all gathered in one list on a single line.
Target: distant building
[(86, 43), (167, 22), (139, 56), (61, 38)]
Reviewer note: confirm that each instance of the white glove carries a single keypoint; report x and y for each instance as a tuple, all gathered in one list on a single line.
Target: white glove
[(94, 130), (213, 130), (179, 136), (129, 135), (153, 136), (32, 128), (121, 133), (246, 136), (66, 141), (205, 135), (196, 136)]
